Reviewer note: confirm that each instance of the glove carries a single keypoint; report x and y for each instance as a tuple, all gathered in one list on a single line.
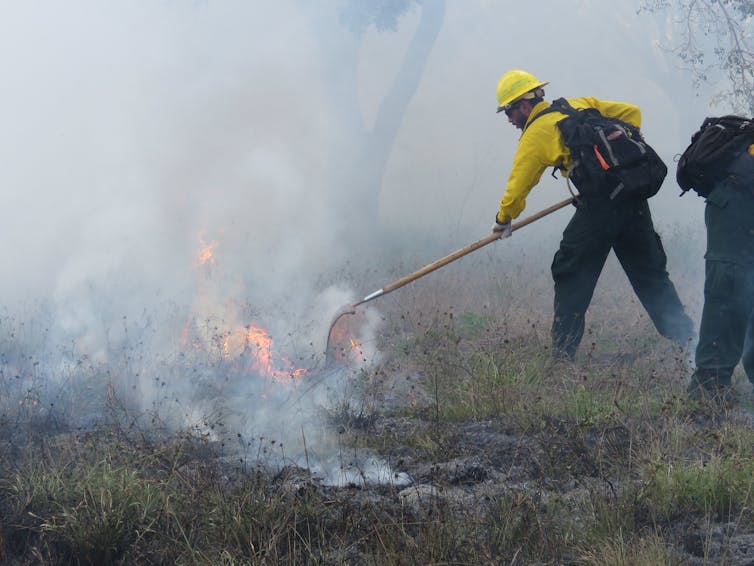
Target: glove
[(504, 228)]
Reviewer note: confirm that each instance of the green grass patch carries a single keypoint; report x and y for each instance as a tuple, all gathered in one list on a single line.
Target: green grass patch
[(718, 486)]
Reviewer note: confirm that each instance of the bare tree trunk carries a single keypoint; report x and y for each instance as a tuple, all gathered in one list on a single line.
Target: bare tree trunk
[(359, 157), (380, 141)]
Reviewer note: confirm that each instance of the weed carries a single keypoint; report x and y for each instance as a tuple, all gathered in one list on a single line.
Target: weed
[(627, 550), (514, 458), (719, 486)]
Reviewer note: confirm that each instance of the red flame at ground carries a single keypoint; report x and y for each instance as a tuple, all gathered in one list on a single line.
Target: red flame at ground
[(257, 342), (251, 342), (342, 346)]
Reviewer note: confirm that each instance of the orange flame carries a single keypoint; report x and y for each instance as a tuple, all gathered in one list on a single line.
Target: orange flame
[(205, 254), (344, 348), (257, 342)]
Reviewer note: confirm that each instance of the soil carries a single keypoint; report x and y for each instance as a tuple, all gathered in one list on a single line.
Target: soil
[(476, 464)]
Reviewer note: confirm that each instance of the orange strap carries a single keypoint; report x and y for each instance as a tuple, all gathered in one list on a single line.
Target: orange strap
[(601, 159)]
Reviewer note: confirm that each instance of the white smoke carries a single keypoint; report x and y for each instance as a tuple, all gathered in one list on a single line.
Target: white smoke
[(135, 130)]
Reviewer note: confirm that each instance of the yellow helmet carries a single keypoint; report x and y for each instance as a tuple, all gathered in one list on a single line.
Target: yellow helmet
[(514, 84)]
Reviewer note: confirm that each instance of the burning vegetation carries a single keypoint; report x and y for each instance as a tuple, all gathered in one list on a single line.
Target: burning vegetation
[(461, 442)]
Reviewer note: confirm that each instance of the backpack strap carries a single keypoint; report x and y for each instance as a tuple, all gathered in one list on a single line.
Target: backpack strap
[(564, 107), (558, 105)]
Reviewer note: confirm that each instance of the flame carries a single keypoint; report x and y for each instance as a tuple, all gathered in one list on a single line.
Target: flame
[(206, 253), (256, 342), (343, 347), (249, 346)]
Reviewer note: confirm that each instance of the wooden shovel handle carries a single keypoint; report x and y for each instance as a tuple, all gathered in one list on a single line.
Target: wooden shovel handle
[(471, 247)]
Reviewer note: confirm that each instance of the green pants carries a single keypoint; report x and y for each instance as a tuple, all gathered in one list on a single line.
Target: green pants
[(725, 334), (598, 226)]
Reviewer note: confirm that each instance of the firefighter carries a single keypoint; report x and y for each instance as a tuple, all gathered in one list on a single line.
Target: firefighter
[(727, 326), (598, 225)]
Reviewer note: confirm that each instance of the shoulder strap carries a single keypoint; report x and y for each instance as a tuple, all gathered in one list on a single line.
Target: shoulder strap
[(558, 105), (562, 105)]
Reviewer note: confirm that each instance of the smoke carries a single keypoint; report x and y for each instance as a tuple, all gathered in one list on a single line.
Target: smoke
[(137, 132)]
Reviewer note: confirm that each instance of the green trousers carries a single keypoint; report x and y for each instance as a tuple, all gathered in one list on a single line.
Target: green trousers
[(725, 333), (598, 226)]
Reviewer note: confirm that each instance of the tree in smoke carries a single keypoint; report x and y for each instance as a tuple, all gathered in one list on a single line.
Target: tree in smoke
[(359, 152), (715, 35)]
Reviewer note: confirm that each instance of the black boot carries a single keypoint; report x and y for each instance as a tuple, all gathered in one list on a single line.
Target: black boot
[(710, 384)]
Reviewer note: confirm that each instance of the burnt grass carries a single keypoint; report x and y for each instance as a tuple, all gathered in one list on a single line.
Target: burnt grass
[(481, 491), (495, 454)]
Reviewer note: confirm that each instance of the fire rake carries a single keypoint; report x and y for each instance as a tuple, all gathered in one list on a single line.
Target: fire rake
[(398, 283)]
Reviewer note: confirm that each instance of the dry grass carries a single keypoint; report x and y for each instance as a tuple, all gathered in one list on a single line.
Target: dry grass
[(516, 459)]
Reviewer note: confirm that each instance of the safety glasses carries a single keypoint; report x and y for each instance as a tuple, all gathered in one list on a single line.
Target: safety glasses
[(510, 108)]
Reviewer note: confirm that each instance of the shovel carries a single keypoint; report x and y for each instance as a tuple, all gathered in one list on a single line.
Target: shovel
[(405, 280)]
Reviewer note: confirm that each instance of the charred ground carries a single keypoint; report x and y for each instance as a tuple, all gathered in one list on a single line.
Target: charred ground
[(487, 451)]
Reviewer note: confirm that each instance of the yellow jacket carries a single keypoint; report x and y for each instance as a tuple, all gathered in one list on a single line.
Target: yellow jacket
[(541, 146)]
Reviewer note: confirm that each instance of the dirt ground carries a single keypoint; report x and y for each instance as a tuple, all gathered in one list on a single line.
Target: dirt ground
[(475, 464)]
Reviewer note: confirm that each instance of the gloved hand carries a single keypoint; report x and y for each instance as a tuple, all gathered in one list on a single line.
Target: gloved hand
[(504, 228)]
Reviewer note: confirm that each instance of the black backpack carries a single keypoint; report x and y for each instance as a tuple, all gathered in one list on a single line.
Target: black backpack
[(713, 148), (608, 154)]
